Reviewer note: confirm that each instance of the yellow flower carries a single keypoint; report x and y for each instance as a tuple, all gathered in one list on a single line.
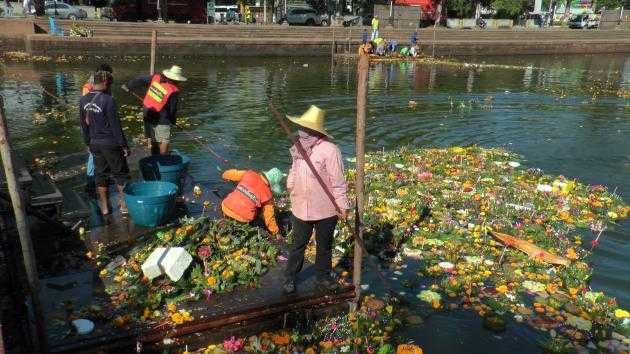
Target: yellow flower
[(612, 215), (573, 291), (551, 288), (226, 274), (619, 313), (212, 281), (186, 315), (502, 289), (103, 272), (571, 254), (171, 307), (177, 318)]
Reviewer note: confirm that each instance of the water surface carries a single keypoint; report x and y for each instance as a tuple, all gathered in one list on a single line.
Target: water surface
[(563, 114)]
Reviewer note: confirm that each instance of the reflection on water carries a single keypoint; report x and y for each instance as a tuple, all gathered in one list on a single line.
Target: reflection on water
[(561, 113)]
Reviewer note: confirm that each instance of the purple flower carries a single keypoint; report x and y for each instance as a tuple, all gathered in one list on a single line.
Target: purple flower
[(208, 293)]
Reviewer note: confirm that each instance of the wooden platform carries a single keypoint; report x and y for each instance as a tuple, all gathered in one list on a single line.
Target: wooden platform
[(242, 312)]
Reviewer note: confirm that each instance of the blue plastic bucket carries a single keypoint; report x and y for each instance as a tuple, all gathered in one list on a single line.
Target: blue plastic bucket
[(165, 168), (185, 158), (150, 203)]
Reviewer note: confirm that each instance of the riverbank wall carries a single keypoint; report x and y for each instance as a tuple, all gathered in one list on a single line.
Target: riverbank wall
[(119, 39)]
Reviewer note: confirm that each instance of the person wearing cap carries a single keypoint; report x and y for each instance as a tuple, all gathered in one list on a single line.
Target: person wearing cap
[(160, 105), (311, 207), (253, 193)]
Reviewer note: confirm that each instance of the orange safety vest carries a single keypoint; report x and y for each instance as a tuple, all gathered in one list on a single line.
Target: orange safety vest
[(87, 87), (251, 193), (158, 93)]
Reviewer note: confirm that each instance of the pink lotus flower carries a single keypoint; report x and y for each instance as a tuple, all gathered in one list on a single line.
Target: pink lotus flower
[(233, 345), (281, 258)]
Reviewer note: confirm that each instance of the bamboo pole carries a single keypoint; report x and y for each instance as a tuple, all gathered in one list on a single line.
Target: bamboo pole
[(153, 47), (332, 50), (19, 210), (362, 81)]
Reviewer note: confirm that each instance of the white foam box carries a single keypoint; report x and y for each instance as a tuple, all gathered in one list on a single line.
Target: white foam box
[(151, 267), (175, 262), (172, 261)]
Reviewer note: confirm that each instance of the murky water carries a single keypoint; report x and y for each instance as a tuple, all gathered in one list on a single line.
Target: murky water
[(562, 114)]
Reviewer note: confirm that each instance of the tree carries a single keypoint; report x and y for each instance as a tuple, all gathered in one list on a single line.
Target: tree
[(462, 8), (321, 6), (39, 7), (609, 4), (511, 8)]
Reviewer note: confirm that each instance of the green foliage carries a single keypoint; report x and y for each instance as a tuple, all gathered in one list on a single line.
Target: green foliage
[(461, 8), (611, 4), (321, 6), (510, 8)]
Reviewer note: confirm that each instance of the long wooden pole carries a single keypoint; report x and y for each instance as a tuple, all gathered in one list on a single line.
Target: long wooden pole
[(153, 47), (19, 210), (362, 81)]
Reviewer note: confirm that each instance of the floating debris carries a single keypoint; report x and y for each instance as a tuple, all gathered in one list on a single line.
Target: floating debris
[(471, 194)]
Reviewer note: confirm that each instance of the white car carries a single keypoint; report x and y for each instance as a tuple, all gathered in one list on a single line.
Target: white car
[(63, 10), (303, 15)]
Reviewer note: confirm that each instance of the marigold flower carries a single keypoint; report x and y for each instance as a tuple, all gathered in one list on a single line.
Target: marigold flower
[(212, 281), (177, 318), (171, 307)]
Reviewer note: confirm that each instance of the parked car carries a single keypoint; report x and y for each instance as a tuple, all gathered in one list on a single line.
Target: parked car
[(583, 22), (63, 10), (302, 15), (225, 13)]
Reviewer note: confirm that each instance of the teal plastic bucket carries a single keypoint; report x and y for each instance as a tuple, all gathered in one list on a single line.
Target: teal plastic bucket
[(150, 203), (165, 168), (185, 158)]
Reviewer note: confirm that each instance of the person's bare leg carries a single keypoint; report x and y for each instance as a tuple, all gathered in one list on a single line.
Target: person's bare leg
[(121, 198), (163, 148), (155, 148), (102, 199)]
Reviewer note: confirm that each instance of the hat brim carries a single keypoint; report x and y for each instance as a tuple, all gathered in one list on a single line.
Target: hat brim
[(171, 76), (298, 121)]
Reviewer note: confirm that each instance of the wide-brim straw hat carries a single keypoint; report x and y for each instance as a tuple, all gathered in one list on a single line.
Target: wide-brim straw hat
[(312, 119), (174, 73)]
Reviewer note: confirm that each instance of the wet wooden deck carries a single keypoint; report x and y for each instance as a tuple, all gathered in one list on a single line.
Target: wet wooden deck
[(244, 311)]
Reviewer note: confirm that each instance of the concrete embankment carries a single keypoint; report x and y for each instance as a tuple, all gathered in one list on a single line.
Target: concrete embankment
[(207, 40)]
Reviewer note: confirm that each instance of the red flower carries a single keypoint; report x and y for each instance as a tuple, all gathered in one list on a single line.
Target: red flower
[(594, 243), (204, 252)]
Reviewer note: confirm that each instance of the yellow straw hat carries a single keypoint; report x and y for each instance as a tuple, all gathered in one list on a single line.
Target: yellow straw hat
[(174, 73), (312, 119)]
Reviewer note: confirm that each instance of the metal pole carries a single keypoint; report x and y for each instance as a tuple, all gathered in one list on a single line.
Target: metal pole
[(153, 45), (362, 81), (21, 222)]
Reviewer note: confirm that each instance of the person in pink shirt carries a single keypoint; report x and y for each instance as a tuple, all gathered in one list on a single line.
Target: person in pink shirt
[(311, 208)]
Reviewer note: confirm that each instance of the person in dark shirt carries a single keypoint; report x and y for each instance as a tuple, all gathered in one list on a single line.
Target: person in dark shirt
[(160, 105), (104, 136)]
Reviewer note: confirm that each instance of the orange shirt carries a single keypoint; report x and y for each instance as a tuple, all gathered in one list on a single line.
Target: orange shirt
[(235, 175)]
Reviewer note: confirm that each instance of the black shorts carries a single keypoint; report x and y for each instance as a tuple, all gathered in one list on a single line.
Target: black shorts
[(109, 161)]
